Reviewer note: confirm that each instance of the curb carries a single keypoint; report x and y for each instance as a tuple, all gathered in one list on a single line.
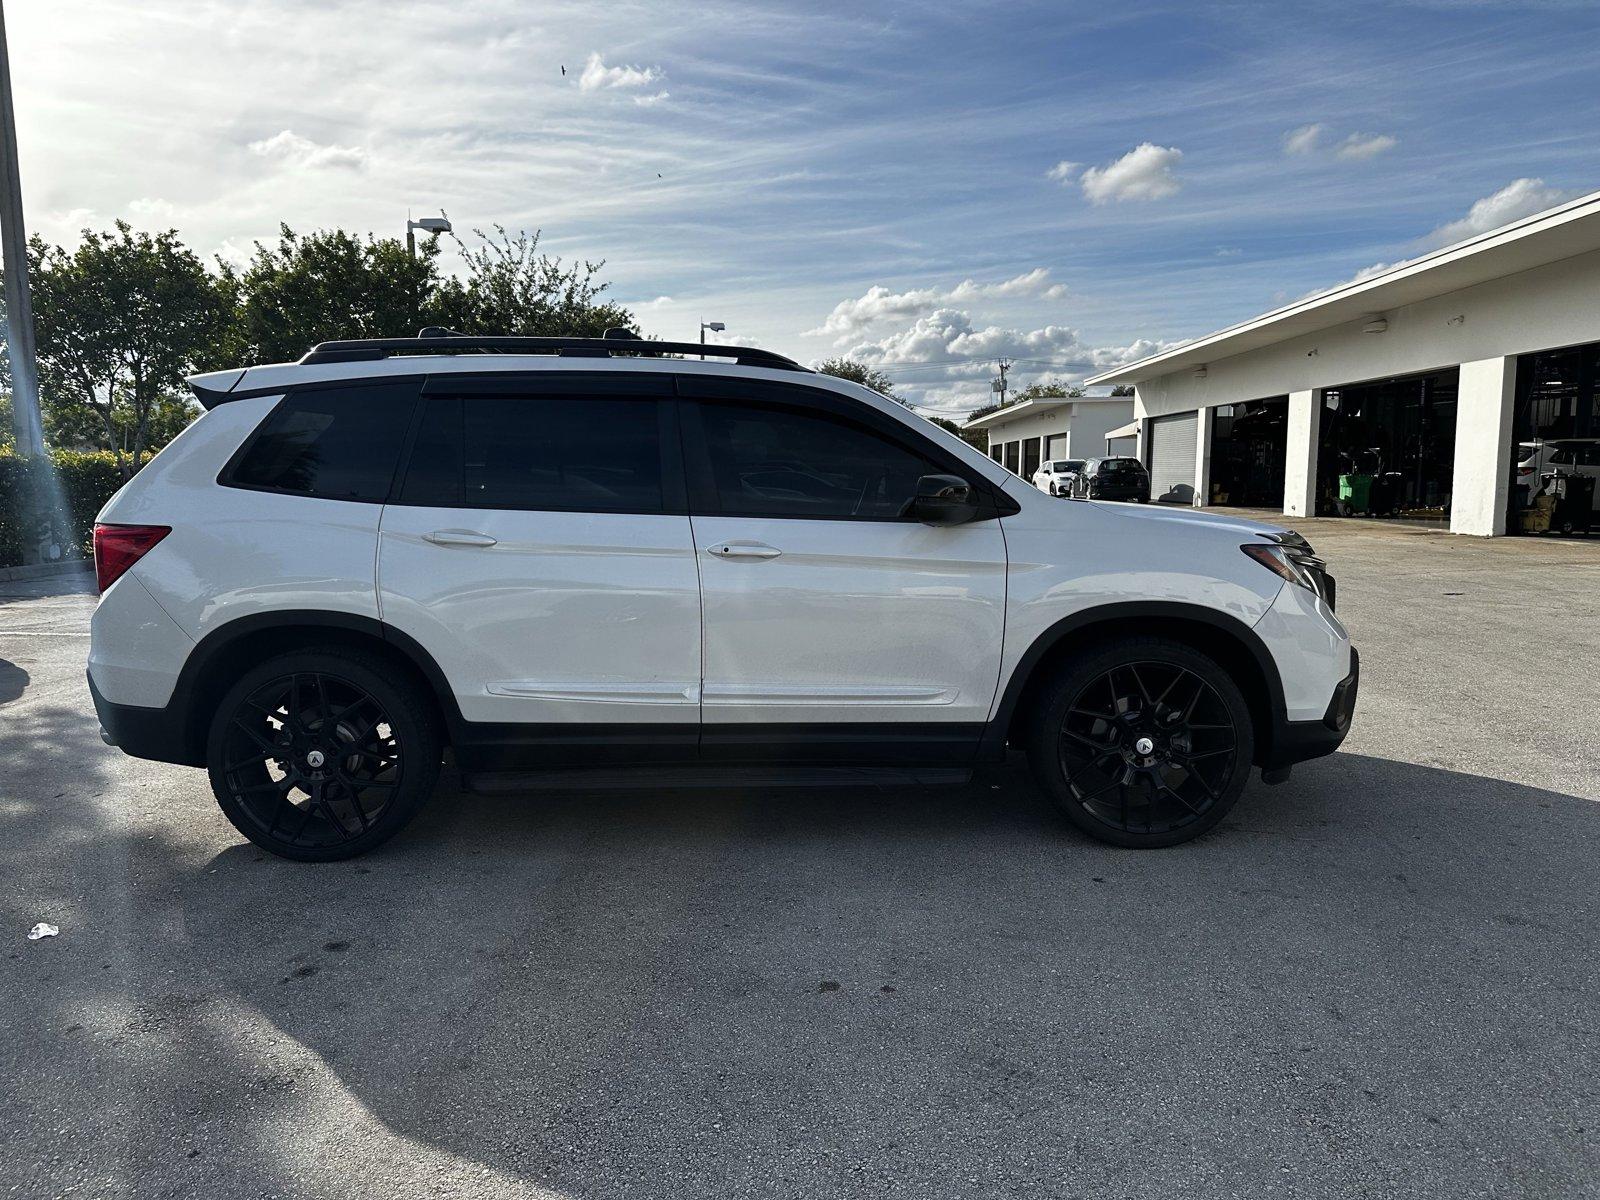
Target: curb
[(71, 566)]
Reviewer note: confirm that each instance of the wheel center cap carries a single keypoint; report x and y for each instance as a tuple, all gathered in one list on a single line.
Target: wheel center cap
[(1144, 746), (316, 758)]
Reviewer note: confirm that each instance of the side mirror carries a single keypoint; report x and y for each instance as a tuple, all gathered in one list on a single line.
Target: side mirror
[(944, 500)]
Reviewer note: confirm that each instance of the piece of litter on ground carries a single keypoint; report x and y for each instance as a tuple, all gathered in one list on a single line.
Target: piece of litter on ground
[(42, 930)]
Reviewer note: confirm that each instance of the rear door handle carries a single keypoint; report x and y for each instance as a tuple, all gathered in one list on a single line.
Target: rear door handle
[(743, 550), (458, 537)]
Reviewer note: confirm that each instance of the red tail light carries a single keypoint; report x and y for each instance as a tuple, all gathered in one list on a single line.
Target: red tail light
[(118, 547)]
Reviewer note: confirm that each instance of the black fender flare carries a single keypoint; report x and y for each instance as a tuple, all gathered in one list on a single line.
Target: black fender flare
[(207, 650), (994, 740)]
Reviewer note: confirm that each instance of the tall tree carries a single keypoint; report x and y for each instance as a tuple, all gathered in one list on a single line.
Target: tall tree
[(859, 372), (510, 288), (329, 284), (121, 320), (1046, 391)]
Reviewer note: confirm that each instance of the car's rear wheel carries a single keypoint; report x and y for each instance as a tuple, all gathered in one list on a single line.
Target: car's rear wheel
[(1143, 742), (322, 754)]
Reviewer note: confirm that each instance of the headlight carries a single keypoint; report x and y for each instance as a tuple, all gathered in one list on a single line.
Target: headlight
[(1289, 557)]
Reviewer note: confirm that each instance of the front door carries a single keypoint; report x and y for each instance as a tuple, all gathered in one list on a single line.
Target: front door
[(540, 549), (835, 625)]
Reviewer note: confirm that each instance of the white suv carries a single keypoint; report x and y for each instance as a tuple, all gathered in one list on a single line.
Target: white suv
[(588, 562)]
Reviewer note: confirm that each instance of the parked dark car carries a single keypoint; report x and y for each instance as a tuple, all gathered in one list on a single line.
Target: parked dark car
[(1113, 479)]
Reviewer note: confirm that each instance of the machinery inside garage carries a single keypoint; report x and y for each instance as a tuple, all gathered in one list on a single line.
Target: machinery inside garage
[(1387, 449), (1555, 442)]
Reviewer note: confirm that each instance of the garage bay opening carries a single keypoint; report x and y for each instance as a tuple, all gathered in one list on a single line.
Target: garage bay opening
[(1387, 449), (1248, 445)]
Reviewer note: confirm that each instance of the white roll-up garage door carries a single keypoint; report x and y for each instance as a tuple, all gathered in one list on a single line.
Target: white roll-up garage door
[(1171, 461)]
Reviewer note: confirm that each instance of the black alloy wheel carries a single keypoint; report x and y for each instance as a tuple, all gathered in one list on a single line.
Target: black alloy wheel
[(321, 756), (1144, 743)]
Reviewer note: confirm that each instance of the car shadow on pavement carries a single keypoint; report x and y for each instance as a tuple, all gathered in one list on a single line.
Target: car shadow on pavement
[(1354, 979), (13, 681)]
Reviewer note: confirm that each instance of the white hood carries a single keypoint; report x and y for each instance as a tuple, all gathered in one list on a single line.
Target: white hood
[(1174, 515)]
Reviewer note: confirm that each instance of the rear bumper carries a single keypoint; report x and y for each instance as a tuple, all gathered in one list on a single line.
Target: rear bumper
[(1297, 741), (154, 733)]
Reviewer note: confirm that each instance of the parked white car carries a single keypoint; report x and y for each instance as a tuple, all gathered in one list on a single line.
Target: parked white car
[(576, 562), (1055, 478)]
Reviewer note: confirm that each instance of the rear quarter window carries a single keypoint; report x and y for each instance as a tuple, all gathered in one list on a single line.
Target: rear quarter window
[(333, 443)]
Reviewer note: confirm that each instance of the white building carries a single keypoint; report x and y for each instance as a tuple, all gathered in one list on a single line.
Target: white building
[(1023, 435), (1414, 393)]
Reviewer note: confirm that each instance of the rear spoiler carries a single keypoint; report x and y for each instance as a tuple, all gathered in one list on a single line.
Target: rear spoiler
[(212, 388)]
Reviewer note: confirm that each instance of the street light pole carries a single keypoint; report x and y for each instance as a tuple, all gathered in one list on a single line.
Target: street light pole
[(714, 326), (433, 225), (25, 421), (427, 225)]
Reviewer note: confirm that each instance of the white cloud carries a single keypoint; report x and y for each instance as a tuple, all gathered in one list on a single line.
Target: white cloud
[(64, 227), (947, 361), (1143, 173), (1063, 171), (1362, 146), (851, 318), (653, 99), (1519, 198), (597, 76), (289, 147), (152, 208), (1303, 140)]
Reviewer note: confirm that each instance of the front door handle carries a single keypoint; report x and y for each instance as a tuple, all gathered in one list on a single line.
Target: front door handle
[(743, 550), (458, 537)]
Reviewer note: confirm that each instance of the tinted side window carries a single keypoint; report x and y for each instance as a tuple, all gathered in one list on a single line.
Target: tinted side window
[(537, 452), (777, 462), (336, 443)]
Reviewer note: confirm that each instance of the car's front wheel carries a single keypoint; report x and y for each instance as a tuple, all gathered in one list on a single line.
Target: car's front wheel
[(322, 754), (1142, 742)]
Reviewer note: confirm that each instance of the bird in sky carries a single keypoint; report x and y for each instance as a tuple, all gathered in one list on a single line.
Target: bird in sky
[(563, 69)]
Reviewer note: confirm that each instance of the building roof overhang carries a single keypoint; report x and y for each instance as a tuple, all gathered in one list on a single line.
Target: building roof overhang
[(1561, 232)]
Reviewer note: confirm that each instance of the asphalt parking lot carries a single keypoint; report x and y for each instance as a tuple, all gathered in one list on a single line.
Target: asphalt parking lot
[(1382, 979)]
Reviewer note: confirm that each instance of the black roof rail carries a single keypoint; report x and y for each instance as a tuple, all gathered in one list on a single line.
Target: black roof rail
[(436, 340)]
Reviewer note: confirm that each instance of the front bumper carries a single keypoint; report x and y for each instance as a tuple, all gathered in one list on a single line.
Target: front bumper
[(1296, 741)]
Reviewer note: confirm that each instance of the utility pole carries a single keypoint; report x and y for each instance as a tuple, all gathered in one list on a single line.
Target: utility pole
[(25, 420), (998, 386)]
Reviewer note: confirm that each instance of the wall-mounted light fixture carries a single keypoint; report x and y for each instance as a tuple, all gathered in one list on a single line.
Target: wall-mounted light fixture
[(1200, 371), (1375, 325), (1458, 319)]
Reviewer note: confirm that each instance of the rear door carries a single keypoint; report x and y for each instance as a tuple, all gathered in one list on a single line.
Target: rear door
[(538, 546), (835, 625)]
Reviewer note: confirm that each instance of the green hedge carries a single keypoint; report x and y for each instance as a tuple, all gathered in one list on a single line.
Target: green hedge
[(71, 489)]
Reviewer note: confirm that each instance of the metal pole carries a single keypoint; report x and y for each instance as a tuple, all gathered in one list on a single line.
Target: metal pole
[(25, 420)]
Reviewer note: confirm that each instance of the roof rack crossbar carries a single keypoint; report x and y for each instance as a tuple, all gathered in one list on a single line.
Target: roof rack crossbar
[(440, 342)]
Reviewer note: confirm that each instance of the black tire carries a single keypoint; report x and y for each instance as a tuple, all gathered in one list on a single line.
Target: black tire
[(1142, 742), (323, 754)]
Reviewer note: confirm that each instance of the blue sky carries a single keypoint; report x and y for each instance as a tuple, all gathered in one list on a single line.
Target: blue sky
[(883, 180)]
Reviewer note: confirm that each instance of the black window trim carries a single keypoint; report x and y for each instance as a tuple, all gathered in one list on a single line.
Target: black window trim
[(225, 475), (696, 391), (687, 485), (549, 385)]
